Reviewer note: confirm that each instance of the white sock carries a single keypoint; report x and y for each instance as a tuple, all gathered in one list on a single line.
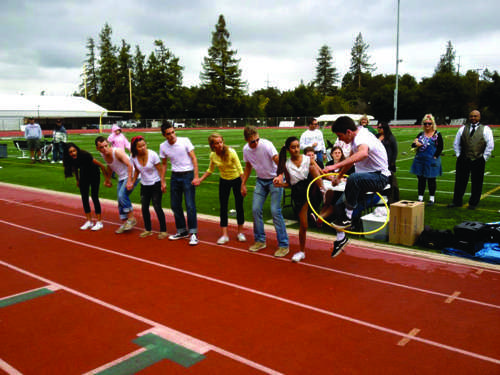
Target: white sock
[(340, 236), (431, 198), (420, 198), (348, 213)]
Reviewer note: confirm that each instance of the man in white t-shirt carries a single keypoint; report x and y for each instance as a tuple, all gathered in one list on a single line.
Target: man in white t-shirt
[(369, 156), (313, 137), (180, 151), (119, 162), (261, 155)]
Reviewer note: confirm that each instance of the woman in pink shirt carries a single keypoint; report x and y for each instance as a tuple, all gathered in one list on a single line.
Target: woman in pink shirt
[(117, 139)]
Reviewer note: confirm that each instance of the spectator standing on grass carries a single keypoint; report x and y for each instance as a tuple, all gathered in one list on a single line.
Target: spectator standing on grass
[(473, 147), (261, 155), (85, 168), (118, 161), (427, 162), (313, 137), (59, 138), (372, 173), (364, 122), (184, 175), (299, 171), (34, 136), (391, 146), (226, 159), (147, 164), (117, 139)]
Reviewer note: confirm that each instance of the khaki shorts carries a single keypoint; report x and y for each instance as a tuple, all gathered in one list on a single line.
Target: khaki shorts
[(34, 144)]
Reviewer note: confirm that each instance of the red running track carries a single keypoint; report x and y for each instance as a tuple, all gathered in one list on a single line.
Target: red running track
[(366, 311)]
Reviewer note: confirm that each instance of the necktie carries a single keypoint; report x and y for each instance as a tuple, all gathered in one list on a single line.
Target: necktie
[(473, 130)]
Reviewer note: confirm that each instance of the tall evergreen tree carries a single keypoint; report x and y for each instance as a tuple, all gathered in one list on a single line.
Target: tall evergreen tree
[(108, 64), (221, 73), (326, 73), (360, 60), (447, 61), (90, 79), (139, 82), (124, 63)]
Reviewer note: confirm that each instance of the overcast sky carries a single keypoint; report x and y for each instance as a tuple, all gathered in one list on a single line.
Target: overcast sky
[(43, 41)]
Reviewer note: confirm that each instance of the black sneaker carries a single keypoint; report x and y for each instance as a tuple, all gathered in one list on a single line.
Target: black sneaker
[(178, 236), (342, 222), (338, 246)]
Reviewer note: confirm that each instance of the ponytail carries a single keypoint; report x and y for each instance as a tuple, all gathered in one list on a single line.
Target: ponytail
[(282, 155)]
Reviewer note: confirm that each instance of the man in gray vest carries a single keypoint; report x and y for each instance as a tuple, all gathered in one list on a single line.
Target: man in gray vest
[(473, 146)]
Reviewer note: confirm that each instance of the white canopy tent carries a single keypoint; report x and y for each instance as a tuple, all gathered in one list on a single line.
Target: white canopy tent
[(15, 108), (332, 118)]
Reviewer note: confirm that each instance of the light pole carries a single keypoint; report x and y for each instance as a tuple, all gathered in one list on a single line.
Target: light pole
[(397, 69)]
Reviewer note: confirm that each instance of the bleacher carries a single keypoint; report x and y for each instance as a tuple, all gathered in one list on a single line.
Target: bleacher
[(403, 122), (286, 124)]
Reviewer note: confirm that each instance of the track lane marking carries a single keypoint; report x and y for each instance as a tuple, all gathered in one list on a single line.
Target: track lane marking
[(413, 333), (328, 269), (235, 286), (453, 297), (8, 368)]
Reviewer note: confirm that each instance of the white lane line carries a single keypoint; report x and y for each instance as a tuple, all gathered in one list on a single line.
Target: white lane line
[(453, 297), (140, 318), (25, 292), (249, 290), (305, 264), (8, 368), (179, 338), (115, 362)]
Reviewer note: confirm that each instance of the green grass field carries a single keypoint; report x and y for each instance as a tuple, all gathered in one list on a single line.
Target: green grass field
[(50, 176)]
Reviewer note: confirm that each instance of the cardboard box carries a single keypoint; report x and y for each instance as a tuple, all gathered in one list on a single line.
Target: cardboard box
[(406, 222), (372, 222)]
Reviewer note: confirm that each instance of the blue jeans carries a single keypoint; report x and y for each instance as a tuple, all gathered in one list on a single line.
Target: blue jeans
[(124, 203), (57, 151), (358, 184), (180, 184), (262, 189)]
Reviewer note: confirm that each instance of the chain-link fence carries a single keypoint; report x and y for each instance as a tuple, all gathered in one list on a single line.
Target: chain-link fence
[(226, 122)]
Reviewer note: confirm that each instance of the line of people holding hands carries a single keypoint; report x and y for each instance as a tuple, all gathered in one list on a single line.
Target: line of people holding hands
[(274, 172)]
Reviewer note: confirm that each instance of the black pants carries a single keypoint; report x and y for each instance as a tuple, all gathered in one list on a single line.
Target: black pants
[(152, 193), (225, 187), (465, 168), (87, 184), (422, 182)]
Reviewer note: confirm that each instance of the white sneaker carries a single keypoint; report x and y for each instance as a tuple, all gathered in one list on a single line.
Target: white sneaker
[(297, 257), (193, 240), (88, 224), (223, 240), (98, 226), (241, 237)]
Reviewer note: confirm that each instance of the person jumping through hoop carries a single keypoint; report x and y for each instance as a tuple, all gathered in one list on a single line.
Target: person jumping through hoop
[(372, 174)]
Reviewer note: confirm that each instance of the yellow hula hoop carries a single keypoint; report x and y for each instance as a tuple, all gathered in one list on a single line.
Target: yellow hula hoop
[(346, 231)]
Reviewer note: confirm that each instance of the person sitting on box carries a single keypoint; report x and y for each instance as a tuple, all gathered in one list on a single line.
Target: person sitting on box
[(372, 174)]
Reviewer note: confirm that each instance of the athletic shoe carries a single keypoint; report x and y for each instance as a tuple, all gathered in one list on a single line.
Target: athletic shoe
[(430, 203), (223, 240), (297, 257), (52, 162), (241, 237), (342, 222), (121, 228), (98, 226), (281, 252), (338, 246), (178, 236), (60, 161), (129, 224), (146, 233), (162, 235), (257, 246), (193, 240), (88, 224)]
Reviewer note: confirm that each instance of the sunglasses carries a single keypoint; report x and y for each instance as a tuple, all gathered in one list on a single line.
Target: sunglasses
[(254, 141), (427, 123)]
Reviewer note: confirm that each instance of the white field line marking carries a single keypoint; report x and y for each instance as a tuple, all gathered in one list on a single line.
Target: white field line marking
[(8, 368), (453, 297), (414, 332), (246, 289), (325, 268), (115, 362), (140, 318), (179, 338)]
